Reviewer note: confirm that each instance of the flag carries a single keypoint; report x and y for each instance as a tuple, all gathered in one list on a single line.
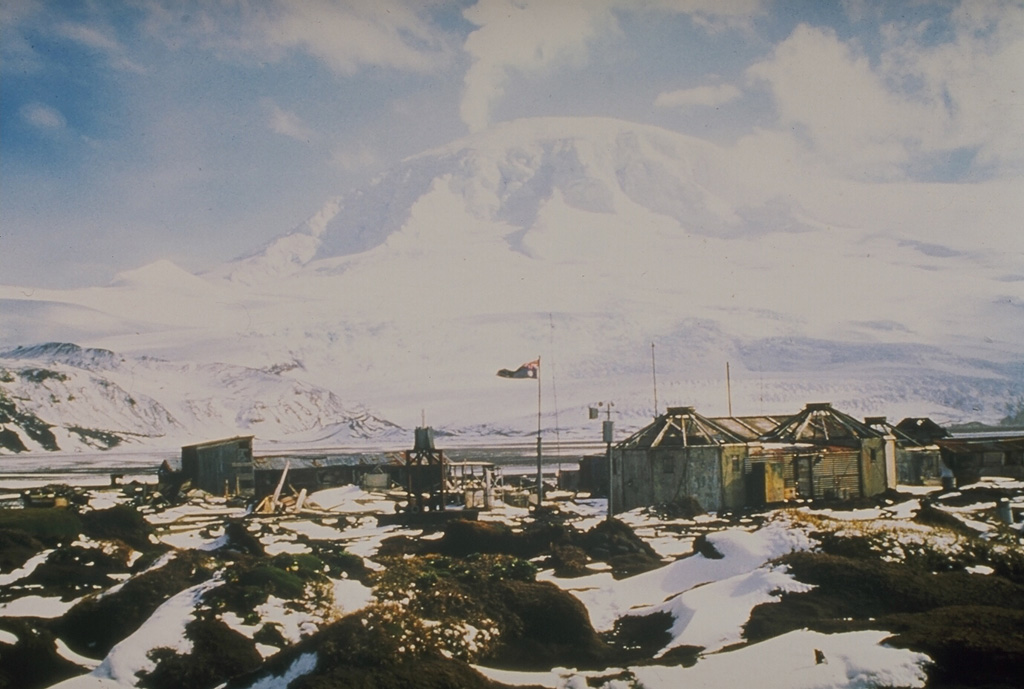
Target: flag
[(527, 370)]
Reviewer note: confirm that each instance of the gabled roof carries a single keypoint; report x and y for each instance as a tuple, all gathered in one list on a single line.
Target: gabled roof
[(820, 424), (680, 427)]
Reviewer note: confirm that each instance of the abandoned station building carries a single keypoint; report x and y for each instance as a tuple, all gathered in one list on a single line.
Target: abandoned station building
[(731, 462), (227, 467), (819, 453), (217, 466)]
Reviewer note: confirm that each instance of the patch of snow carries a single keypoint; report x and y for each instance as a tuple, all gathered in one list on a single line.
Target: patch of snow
[(713, 615), (26, 569), (351, 499), (607, 599), (312, 529), (35, 606), (303, 665), (276, 546), (293, 624), (350, 595), (853, 661), (556, 678), (164, 629), (848, 515), (76, 658)]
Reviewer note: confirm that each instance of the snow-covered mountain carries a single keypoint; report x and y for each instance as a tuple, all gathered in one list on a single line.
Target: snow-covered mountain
[(584, 241)]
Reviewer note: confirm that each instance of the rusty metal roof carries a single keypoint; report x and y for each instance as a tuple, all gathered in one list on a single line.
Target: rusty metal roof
[(820, 424), (983, 442), (749, 428), (681, 427)]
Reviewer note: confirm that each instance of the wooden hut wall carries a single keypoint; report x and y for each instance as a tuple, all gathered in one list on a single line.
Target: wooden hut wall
[(665, 475), (734, 491), (873, 466), (220, 468)]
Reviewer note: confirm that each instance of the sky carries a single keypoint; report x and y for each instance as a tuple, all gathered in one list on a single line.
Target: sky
[(136, 130)]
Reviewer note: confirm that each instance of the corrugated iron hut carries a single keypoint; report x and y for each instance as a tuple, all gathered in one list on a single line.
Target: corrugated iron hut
[(221, 467), (824, 453), (681, 454)]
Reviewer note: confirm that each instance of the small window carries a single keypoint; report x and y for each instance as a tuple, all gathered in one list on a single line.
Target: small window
[(668, 466)]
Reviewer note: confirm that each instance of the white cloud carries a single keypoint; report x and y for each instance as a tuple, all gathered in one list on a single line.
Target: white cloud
[(100, 41), (919, 101), (42, 116), (388, 33), (288, 123), (829, 93), (531, 36), (345, 36), (87, 35), (977, 79), (707, 96), (524, 36)]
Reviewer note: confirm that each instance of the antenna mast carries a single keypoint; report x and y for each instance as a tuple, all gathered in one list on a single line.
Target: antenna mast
[(654, 377)]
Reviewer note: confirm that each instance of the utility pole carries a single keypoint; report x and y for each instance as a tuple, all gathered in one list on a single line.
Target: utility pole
[(608, 436)]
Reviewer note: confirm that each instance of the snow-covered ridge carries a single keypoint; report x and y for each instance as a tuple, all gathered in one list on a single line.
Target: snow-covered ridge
[(62, 396)]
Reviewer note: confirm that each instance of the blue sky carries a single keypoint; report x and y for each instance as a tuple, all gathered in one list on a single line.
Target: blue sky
[(144, 129)]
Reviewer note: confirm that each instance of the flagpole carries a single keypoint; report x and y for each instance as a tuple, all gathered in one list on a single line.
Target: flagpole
[(540, 475)]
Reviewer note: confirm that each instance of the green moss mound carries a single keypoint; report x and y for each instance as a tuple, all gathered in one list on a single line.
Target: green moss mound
[(16, 547), (121, 522), (520, 623), (251, 581), (373, 649), (51, 526)]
